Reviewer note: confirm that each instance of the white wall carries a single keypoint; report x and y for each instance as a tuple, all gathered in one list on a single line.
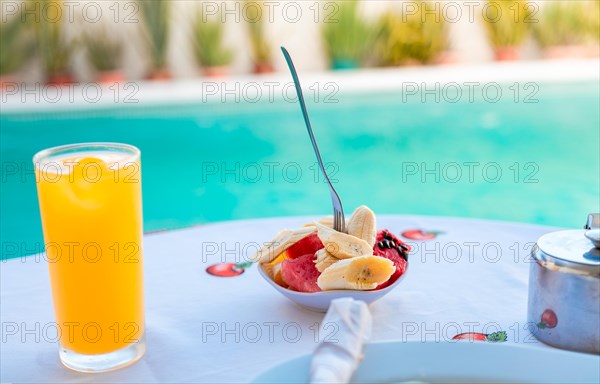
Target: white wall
[(295, 24)]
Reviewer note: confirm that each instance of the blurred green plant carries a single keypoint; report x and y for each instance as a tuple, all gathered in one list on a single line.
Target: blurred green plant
[(262, 53), (561, 23), (417, 37), (347, 37), (54, 48), (103, 50), (156, 16), (17, 44), (592, 21), (507, 22), (208, 41)]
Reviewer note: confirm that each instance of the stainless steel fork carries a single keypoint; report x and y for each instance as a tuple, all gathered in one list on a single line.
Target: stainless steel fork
[(339, 222)]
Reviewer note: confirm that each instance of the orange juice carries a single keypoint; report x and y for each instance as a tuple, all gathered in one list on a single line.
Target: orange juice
[(91, 210)]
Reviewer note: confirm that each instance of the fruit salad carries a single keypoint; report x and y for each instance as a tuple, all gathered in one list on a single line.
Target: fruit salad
[(318, 258)]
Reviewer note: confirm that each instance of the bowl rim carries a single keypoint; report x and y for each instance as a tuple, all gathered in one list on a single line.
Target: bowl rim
[(330, 292)]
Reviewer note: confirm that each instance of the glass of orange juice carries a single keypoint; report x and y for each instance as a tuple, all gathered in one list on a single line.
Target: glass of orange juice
[(91, 210)]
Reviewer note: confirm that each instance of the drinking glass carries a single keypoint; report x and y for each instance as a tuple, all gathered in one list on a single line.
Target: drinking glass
[(91, 210)]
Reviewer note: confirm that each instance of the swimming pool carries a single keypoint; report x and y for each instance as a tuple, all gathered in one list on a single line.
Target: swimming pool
[(203, 162)]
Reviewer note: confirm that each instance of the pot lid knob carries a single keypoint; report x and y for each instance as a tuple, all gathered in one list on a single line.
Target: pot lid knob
[(593, 229)]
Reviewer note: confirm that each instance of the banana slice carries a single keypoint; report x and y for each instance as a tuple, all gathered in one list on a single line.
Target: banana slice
[(326, 221), (342, 245), (324, 260), (359, 273), (362, 224), (284, 239)]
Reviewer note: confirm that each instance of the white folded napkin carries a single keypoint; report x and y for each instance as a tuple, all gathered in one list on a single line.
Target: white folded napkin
[(345, 328)]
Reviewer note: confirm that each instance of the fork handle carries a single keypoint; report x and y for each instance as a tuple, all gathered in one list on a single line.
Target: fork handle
[(288, 59), (334, 196)]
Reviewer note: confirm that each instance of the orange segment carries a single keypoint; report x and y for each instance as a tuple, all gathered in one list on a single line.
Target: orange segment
[(282, 256)]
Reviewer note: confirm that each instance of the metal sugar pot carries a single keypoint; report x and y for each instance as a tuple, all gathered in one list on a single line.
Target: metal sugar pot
[(564, 288)]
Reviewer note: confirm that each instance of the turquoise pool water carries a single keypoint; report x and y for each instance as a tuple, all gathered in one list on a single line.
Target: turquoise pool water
[(528, 162)]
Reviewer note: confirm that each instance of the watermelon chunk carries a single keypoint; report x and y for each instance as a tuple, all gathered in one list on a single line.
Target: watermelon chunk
[(300, 273), (392, 254), (308, 245)]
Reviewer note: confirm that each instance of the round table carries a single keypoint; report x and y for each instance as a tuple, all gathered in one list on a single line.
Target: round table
[(472, 277)]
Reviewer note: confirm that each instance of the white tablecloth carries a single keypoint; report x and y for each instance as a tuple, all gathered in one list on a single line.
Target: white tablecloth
[(202, 328)]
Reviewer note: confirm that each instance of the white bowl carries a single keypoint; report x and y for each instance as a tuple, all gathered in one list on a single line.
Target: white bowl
[(319, 301)]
